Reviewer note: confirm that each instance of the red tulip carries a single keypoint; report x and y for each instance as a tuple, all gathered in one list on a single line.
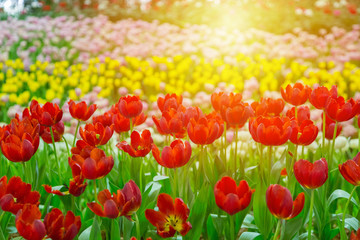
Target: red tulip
[(134, 238), (77, 186), (350, 170), (28, 223), (47, 115), (170, 218), (49, 189), (280, 203), (320, 95), (231, 198), (140, 144), (356, 236), (15, 194), (223, 100), (311, 175), (268, 107), (130, 106), (26, 125), (339, 110), (173, 156), (303, 134), (270, 131), (303, 113), (4, 132), (170, 101), (58, 131), (330, 128), (171, 122), (94, 166), (60, 227), (19, 149), (125, 203), (237, 115), (205, 130), (120, 123), (297, 94), (81, 111), (106, 119), (97, 134)]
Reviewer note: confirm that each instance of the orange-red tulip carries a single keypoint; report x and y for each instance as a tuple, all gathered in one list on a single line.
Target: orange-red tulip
[(268, 107), (171, 217), (97, 134), (130, 106), (170, 101), (320, 95), (340, 110), (81, 111), (311, 175), (205, 130), (281, 204), (350, 170), (58, 131), (60, 227), (124, 203), (303, 134), (140, 144), (303, 113), (297, 94), (173, 156), (47, 115), (231, 198), (28, 223)]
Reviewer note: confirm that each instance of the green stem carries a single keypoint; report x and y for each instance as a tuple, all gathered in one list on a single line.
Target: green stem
[(55, 153), (75, 135), (141, 173), (269, 163), (137, 222), (236, 150), (310, 214), (333, 146), (67, 146), (232, 227), (25, 173), (296, 113), (95, 193), (323, 135), (293, 162), (175, 182), (278, 226), (346, 206)]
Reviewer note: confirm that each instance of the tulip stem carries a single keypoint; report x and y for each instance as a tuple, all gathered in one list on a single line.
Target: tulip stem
[(232, 227), (25, 173), (333, 146), (95, 194), (175, 182), (278, 226), (296, 113), (141, 173), (55, 153), (346, 206), (76, 131), (269, 164), (236, 150), (323, 134), (67, 145), (137, 226), (310, 214)]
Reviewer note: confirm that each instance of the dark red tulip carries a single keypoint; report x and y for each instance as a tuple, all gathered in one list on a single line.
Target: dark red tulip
[(140, 145), (350, 170), (47, 115), (171, 217), (340, 110), (330, 128), (130, 106), (268, 107), (205, 130), (320, 95), (105, 119), (49, 189), (97, 134), (77, 185), (15, 194), (172, 122), (173, 156), (355, 236), (231, 198), (303, 113), (170, 101), (58, 131), (26, 125), (125, 203), (297, 94), (60, 227), (237, 115), (19, 149), (81, 111), (281, 204), (303, 134), (311, 175), (4, 132), (270, 131), (134, 238), (28, 223), (94, 166)]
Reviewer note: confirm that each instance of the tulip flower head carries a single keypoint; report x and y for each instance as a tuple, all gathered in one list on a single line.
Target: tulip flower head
[(47, 115), (231, 198), (170, 101), (350, 170), (124, 203), (303, 113), (311, 175), (320, 95), (340, 110), (96, 134), (28, 223), (130, 106), (297, 94), (355, 236), (81, 111), (171, 217), (58, 131), (60, 227), (173, 156), (140, 144), (268, 107), (303, 134), (281, 204), (205, 130)]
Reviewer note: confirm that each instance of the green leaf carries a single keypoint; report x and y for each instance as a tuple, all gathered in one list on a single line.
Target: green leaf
[(292, 226), (262, 216), (85, 235), (251, 236), (353, 223), (338, 193), (211, 231), (198, 213), (128, 227), (95, 233), (115, 229)]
